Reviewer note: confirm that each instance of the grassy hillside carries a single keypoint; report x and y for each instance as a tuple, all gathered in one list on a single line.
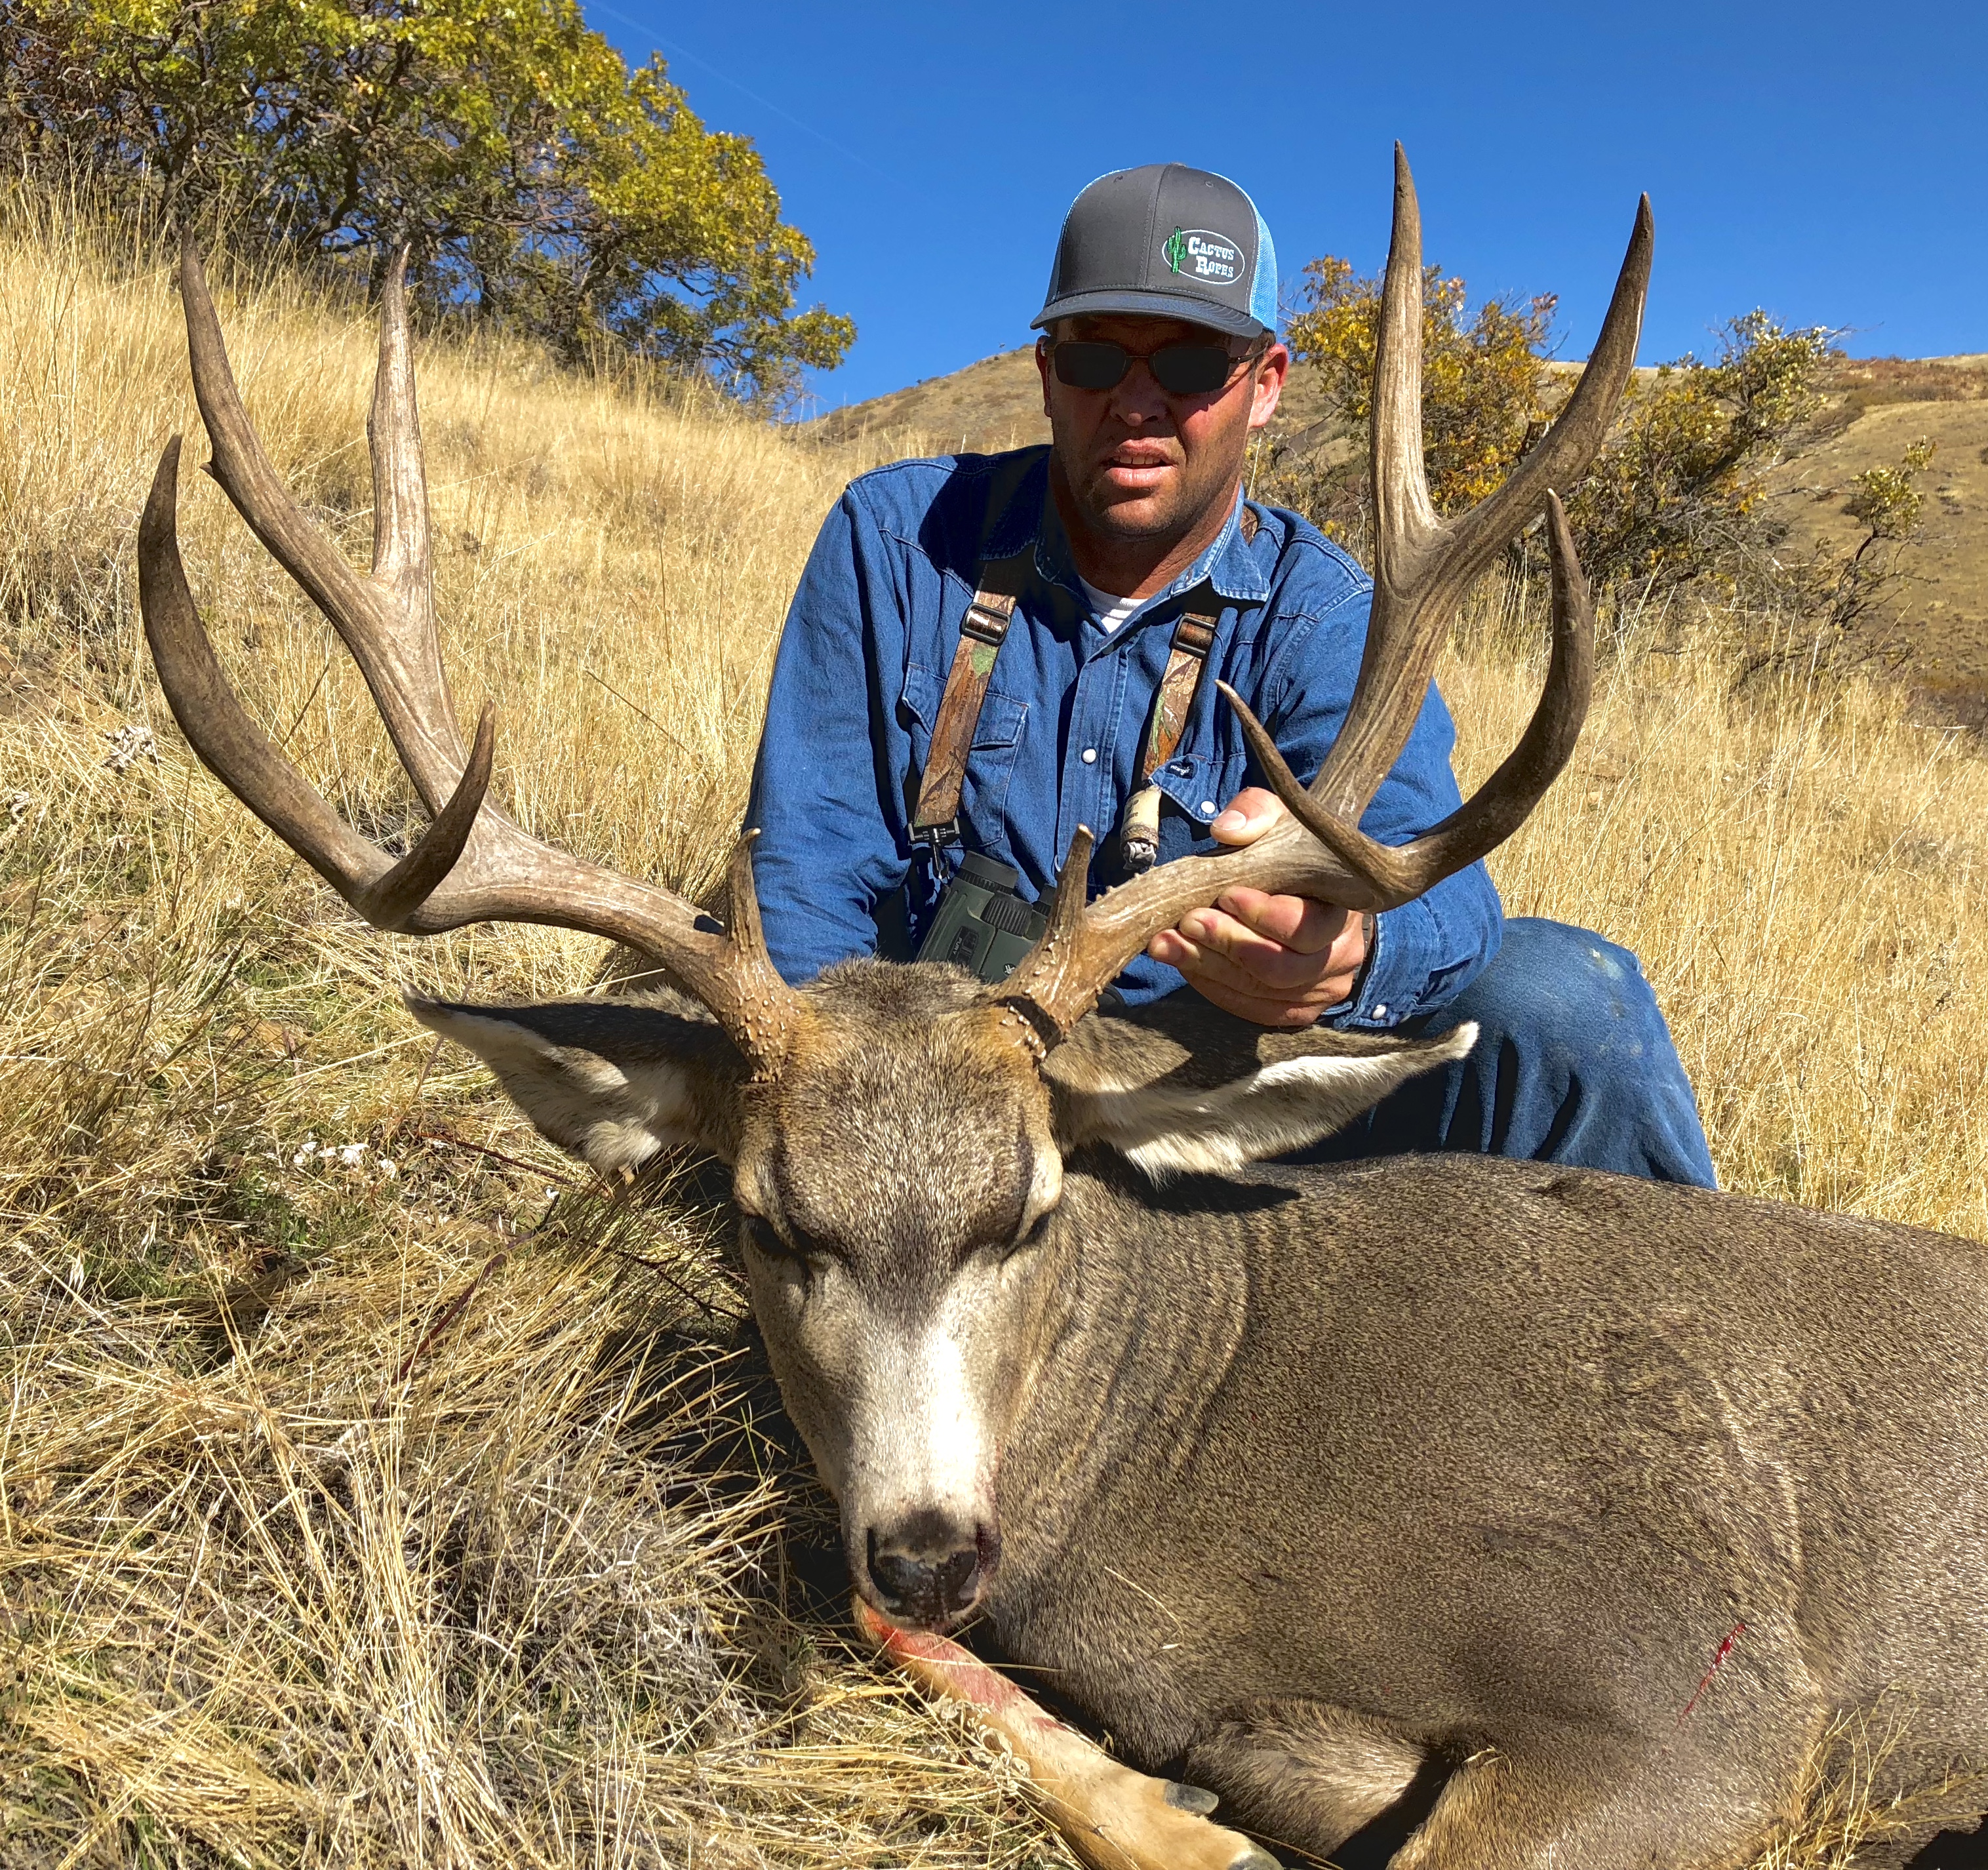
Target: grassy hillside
[(1933, 625), (298, 1564), (373, 1490)]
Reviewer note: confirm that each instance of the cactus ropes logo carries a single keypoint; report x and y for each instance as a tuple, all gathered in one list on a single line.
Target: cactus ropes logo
[(1202, 255)]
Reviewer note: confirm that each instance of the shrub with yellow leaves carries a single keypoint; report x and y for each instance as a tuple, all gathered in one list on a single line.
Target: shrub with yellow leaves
[(1678, 493), (1677, 499), (1486, 388)]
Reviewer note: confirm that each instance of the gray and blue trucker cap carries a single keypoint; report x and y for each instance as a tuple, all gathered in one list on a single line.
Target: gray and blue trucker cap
[(1166, 241)]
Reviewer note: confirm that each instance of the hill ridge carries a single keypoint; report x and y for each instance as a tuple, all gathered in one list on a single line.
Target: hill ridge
[(1932, 625)]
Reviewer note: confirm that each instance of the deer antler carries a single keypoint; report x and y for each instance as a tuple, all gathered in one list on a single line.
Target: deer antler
[(1423, 567), (473, 863)]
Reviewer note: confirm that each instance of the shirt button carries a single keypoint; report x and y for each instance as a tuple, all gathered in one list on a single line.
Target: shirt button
[(1091, 756), (1379, 1013), (1208, 808)]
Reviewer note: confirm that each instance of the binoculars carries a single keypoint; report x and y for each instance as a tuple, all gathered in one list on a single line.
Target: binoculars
[(983, 925)]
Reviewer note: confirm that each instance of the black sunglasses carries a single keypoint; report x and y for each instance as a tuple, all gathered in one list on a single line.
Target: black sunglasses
[(1180, 370)]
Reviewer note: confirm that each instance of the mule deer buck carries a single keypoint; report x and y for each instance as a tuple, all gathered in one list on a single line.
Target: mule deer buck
[(1551, 1517)]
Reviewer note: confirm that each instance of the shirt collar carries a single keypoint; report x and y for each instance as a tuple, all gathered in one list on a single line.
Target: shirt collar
[(1228, 565)]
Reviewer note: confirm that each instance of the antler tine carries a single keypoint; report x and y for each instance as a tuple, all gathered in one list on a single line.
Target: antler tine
[(1423, 567), (1400, 873), (391, 639), (1054, 975), (1561, 457), (402, 552), (766, 1006), (1085, 947), (473, 863), (1405, 521), (220, 731)]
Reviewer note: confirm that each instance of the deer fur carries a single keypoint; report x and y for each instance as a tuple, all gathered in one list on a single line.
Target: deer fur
[(1436, 1478)]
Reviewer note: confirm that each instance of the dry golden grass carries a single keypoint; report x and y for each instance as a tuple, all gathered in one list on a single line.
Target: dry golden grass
[(1801, 869), (372, 1492), (325, 1582)]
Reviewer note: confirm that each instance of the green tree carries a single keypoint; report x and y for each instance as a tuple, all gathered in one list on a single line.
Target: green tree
[(544, 183)]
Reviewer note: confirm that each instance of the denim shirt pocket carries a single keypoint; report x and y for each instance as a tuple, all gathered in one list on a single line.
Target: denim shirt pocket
[(990, 763), (1199, 786)]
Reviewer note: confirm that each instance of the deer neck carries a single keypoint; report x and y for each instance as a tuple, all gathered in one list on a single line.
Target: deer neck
[(1147, 1322)]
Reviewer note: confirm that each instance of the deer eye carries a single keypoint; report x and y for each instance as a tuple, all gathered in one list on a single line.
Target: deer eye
[(1038, 1232), (800, 1252), (763, 1235)]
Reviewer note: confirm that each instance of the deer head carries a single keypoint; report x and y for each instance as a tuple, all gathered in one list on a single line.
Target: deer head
[(898, 1135)]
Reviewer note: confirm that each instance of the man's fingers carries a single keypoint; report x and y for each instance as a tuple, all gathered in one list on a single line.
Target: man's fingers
[(1284, 938), (1275, 968), (1226, 981), (1291, 921)]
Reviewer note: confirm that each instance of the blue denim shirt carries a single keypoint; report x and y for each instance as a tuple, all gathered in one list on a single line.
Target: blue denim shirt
[(862, 662)]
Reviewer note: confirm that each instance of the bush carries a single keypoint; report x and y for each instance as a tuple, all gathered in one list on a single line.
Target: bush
[(1845, 586), (1485, 388), (1677, 497), (544, 184), (1678, 493)]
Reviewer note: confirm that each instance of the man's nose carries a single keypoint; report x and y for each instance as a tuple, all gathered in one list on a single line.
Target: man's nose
[(1139, 398)]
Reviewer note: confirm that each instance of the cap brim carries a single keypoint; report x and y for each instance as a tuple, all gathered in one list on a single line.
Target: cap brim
[(1133, 303)]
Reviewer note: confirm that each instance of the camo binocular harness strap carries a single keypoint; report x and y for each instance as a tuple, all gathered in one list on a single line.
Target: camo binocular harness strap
[(1187, 662), (935, 820), (981, 632)]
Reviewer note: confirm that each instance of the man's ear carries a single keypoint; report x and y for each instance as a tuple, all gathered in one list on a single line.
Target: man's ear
[(1187, 1090), (614, 1081)]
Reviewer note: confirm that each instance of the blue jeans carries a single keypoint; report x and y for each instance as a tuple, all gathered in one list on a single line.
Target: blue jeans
[(1573, 1063)]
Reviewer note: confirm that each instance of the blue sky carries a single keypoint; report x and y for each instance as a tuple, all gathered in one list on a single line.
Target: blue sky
[(1827, 162)]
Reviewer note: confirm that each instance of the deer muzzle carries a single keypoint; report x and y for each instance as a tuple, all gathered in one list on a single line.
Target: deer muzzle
[(930, 1570)]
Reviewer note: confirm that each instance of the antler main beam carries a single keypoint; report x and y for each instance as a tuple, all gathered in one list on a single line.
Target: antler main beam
[(473, 863), (1423, 567)]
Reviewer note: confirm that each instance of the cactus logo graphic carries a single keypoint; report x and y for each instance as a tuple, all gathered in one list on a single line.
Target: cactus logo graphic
[(1201, 254)]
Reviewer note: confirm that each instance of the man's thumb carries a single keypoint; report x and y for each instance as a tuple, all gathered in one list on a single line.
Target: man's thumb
[(1250, 814)]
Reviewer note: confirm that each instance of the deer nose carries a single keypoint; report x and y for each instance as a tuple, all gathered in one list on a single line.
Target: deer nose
[(928, 1570)]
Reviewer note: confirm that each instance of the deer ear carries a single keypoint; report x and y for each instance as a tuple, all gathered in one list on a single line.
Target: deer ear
[(1175, 1107), (614, 1081)]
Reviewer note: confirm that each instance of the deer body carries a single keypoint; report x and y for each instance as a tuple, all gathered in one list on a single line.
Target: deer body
[(1564, 1512), (1415, 1460), (1595, 1502)]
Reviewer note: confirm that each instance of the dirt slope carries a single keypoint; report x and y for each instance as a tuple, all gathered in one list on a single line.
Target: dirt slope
[(1934, 624)]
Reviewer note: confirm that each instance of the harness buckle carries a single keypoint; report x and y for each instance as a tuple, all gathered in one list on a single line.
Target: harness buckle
[(929, 841)]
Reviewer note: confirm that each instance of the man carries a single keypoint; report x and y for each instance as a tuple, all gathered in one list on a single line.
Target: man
[(1159, 359)]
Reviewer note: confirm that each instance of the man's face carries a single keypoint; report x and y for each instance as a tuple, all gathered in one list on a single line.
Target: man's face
[(1140, 463)]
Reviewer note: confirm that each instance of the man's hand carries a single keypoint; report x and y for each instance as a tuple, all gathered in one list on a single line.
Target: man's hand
[(1276, 960)]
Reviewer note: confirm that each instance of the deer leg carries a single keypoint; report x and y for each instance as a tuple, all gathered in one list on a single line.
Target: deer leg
[(1568, 1804), (1309, 1775), (1113, 1817)]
